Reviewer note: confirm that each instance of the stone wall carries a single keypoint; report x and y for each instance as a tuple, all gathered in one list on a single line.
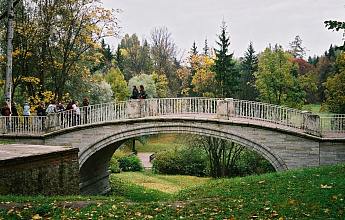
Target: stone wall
[(53, 173)]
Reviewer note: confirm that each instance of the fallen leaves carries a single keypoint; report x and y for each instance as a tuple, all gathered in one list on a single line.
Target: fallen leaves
[(326, 187)]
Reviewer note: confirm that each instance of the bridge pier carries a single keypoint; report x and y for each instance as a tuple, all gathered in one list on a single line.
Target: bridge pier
[(94, 173)]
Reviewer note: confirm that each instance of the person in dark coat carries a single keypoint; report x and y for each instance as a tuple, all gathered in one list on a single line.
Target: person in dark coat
[(15, 116), (135, 92), (86, 106), (41, 112), (142, 92), (61, 110), (69, 113), (6, 111)]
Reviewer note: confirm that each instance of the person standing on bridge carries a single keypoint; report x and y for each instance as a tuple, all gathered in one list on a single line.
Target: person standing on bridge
[(26, 114), (52, 107), (142, 92), (61, 110), (6, 111), (41, 112), (15, 116), (86, 106), (76, 113), (135, 92), (69, 113)]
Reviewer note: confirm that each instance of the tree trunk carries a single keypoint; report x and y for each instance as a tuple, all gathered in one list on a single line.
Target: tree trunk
[(8, 84)]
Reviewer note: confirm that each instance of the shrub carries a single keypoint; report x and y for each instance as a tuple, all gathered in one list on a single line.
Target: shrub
[(131, 163), (114, 164), (251, 162), (184, 161)]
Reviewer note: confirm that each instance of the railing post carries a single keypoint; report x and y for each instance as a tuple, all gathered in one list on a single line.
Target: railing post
[(3, 125), (311, 123), (133, 109), (225, 108), (52, 122), (152, 107)]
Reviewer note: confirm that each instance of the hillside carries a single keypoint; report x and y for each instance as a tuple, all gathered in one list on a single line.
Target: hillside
[(316, 193)]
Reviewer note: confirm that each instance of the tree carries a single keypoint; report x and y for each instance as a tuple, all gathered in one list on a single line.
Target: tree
[(164, 52), (249, 66), (226, 74), (66, 31), (275, 81), (147, 81), (194, 49), (203, 82), (161, 83), (222, 155), (119, 60), (136, 57), (193, 63), (303, 66), (206, 49), (8, 85), (336, 26), (325, 68), (118, 84), (296, 48), (335, 88)]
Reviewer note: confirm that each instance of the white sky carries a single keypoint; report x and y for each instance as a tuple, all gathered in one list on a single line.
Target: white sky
[(263, 22)]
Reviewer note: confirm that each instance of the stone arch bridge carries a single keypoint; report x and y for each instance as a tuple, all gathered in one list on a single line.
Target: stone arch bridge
[(287, 138)]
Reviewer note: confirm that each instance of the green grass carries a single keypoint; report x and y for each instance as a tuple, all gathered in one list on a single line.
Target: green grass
[(315, 109), (159, 142), (317, 193)]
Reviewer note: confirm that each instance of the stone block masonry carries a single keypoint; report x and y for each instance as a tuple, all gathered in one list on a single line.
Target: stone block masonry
[(39, 170)]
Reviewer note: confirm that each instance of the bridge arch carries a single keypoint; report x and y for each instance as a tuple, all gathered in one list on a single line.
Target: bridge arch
[(94, 158)]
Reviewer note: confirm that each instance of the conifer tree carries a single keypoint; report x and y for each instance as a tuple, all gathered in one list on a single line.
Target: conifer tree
[(227, 76), (249, 67), (193, 54), (194, 49), (119, 59), (206, 49)]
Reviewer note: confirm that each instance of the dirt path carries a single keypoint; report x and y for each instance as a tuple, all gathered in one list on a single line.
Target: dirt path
[(145, 159)]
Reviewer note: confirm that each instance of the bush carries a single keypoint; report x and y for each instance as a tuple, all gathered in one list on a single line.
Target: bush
[(185, 161), (114, 164), (251, 162), (131, 163)]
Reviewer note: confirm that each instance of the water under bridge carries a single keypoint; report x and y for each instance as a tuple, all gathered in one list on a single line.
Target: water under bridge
[(286, 137)]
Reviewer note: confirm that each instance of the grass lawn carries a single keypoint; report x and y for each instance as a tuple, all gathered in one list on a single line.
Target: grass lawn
[(317, 193), (315, 109), (159, 142)]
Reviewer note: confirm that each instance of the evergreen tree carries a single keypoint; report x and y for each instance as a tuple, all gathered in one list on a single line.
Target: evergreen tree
[(105, 62), (249, 67), (194, 49), (119, 59), (296, 48), (206, 49), (331, 52), (193, 67), (226, 73)]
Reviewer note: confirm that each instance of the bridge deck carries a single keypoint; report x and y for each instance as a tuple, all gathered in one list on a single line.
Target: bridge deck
[(15, 151)]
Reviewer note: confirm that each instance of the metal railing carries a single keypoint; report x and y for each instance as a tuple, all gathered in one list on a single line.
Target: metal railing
[(268, 112), (332, 123), (113, 111)]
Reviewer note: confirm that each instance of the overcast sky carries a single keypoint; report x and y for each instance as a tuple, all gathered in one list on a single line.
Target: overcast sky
[(263, 22)]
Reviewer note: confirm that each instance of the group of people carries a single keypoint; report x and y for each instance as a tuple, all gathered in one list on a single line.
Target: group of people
[(138, 94), (69, 115)]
